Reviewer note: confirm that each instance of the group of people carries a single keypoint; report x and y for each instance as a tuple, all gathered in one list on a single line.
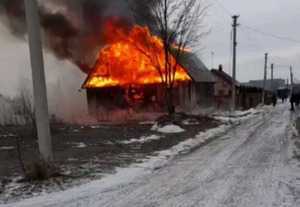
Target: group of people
[(294, 100)]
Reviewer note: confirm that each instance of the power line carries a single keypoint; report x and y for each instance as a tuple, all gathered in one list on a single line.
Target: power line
[(224, 8), (271, 35), (249, 39)]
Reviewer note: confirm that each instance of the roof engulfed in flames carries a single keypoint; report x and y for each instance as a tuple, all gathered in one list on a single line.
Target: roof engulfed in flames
[(126, 61)]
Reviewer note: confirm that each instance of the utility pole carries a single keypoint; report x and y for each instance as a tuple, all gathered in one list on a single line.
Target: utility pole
[(292, 79), (212, 60), (234, 25), (265, 77), (272, 80), (38, 78)]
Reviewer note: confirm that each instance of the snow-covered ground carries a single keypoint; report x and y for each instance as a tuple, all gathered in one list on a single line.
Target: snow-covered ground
[(248, 165)]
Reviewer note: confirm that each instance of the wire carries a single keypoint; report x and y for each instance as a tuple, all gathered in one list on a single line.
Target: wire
[(223, 7), (271, 35), (249, 39)]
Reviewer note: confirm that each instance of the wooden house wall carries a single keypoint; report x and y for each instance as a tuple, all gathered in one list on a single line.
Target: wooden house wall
[(187, 95)]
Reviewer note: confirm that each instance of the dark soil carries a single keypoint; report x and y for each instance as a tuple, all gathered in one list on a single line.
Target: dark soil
[(88, 152)]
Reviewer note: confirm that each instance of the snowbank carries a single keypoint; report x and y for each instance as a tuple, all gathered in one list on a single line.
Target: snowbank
[(187, 145), (237, 113), (237, 116)]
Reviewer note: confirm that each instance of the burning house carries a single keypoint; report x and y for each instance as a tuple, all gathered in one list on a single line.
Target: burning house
[(124, 73), (124, 76)]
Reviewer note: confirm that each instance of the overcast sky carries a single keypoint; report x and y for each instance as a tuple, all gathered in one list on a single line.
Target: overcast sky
[(278, 17)]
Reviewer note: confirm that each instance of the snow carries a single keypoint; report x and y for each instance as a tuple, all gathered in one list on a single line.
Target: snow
[(98, 127), (190, 122), (7, 135), (186, 146), (142, 139), (147, 122), (246, 165), (72, 159), (77, 144), (168, 129), (81, 145), (237, 114), (7, 148)]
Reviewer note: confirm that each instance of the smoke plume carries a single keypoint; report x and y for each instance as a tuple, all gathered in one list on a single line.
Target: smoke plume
[(71, 30)]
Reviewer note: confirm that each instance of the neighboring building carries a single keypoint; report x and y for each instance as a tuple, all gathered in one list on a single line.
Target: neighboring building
[(277, 83), (246, 96), (223, 87), (198, 93)]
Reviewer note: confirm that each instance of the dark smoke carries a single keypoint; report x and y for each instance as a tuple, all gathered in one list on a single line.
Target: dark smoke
[(71, 30)]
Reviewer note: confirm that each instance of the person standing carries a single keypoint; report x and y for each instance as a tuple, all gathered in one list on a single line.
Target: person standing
[(274, 100), (292, 100)]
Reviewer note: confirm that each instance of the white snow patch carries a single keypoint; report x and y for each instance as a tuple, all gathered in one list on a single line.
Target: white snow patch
[(81, 145), (78, 145), (7, 148), (147, 122), (295, 131), (95, 127), (142, 139), (98, 127), (190, 122), (72, 159), (7, 135), (168, 129)]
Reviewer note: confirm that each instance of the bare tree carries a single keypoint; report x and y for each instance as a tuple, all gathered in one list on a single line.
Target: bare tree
[(178, 25)]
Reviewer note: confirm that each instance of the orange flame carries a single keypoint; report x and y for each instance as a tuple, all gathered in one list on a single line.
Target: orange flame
[(131, 59)]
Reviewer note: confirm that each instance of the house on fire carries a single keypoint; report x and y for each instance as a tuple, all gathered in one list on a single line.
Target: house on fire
[(195, 91)]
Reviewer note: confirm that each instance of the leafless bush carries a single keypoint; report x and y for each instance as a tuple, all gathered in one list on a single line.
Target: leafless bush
[(17, 111), (23, 109), (7, 117)]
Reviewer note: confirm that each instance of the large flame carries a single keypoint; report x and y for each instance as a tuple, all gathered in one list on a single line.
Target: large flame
[(130, 58)]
